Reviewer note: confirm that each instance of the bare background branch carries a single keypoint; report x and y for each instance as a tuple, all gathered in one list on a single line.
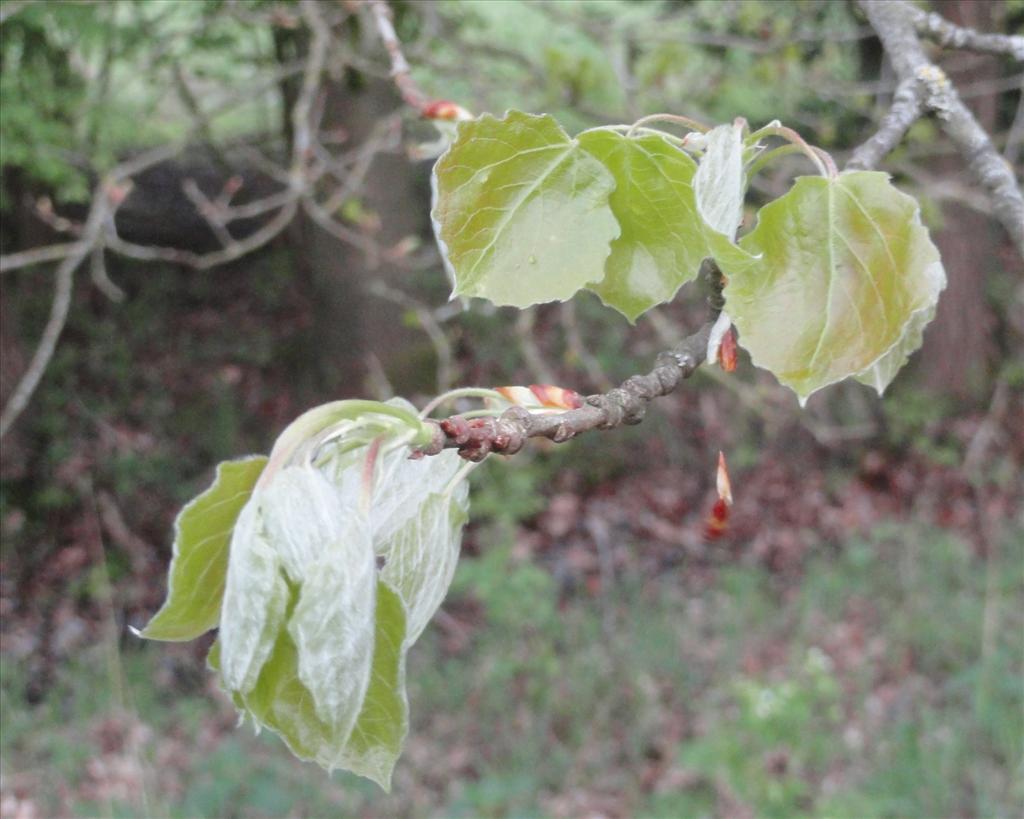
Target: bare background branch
[(925, 86)]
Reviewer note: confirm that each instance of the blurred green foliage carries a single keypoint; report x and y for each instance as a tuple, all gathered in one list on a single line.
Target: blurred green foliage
[(83, 83), (612, 60)]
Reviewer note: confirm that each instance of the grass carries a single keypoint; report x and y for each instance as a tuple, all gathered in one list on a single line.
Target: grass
[(862, 690)]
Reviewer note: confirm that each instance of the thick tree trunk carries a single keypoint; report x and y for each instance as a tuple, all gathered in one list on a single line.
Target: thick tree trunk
[(958, 352), (351, 324)]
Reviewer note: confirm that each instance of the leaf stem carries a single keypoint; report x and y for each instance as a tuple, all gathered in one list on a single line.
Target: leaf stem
[(459, 476), (461, 392), (822, 160), (484, 413), (758, 164), (686, 122)]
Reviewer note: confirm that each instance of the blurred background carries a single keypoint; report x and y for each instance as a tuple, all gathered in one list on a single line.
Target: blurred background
[(853, 646)]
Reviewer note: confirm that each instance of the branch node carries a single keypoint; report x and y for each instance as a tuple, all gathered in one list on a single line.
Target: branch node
[(456, 428), (562, 433)]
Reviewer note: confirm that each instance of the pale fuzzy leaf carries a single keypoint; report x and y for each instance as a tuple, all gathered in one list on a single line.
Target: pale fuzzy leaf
[(720, 183), (330, 679), (324, 542), (662, 243), (333, 623), (417, 519), (255, 599), (281, 702), (202, 531), (375, 742), (845, 281), (521, 212), (351, 423), (403, 484), (304, 516), (420, 555)]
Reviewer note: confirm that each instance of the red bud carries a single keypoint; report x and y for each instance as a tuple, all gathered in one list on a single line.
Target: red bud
[(727, 351), (445, 109), (718, 520), (557, 397), (542, 396)]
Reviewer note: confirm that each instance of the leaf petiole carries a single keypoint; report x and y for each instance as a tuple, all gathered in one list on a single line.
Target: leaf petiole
[(461, 392), (676, 119), (822, 160), (460, 476), (758, 164), (484, 413)]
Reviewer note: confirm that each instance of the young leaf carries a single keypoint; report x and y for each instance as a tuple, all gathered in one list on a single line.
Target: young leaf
[(521, 212), (303, 516), (419, 549), (843, 280), (324, 542), (417, 512), (199, 566), (313, 630), (720, 184), (662, 241), (255, 598), (332, 627), (376, 740), (281, 701)]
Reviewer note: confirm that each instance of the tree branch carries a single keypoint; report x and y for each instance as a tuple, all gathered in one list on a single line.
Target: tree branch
[(299, 180), (895, 22), (401, 73), (38, 255), (63, 288), (203, 261), (476, 438), (907, 107), (936, 27)]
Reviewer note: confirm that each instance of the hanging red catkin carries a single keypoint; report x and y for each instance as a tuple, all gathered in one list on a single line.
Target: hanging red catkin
[(718, 520)]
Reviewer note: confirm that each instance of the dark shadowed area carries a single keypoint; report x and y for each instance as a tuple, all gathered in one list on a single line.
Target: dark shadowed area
[(216, 214)]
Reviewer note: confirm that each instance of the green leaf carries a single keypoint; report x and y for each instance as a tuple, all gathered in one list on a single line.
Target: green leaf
[(662, 242), (883, 371), (198, 570), (720, 184), (255, 598), (419, 510), (521, 212), (313, 629), (281, 701), (842, 280), (324, 541), (376, 740)]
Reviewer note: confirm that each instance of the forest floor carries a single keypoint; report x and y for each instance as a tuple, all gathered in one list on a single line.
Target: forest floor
[(885, 681)]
